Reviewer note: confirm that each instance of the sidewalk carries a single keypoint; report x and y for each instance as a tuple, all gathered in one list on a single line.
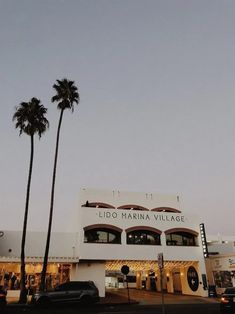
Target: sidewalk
[(143, 297)]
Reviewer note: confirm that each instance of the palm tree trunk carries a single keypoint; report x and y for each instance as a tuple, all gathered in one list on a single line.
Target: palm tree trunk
[(44, 269), (23, 291)]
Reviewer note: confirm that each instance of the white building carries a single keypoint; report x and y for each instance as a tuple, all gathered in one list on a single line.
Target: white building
[(114, 229), (221, 262)]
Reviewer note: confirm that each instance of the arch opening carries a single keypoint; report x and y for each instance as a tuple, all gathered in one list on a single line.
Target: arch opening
[(97, 205), (132, 207), (143, 236), (166, 210), (102, 234), (181, 237)]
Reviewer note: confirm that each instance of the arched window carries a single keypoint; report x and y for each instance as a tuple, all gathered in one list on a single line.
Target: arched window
[(97, 205), (132, 207), (143, 236), (102, 234), (166, 210), (181, 237)]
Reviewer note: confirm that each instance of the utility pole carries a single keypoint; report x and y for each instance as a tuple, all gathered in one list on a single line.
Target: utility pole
[(161, 267)]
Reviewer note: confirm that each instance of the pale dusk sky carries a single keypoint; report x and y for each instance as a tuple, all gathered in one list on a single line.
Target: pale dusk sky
[(157, 110)]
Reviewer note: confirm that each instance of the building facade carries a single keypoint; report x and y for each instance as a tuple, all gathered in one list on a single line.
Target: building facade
[(114, 229), (127, 228), (221, 262)]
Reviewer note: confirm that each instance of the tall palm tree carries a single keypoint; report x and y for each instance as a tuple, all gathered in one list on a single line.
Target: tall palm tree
[(66, 95), (30, 119)]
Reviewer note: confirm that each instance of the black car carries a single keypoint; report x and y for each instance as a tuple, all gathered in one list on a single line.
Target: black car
[(227, 302), (72, 291)]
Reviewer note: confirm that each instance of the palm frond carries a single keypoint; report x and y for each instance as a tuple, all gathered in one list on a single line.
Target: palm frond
[(66, 94), (30, 117)]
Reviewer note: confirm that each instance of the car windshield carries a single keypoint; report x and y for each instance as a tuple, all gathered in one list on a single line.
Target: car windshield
[(229, 291), (74, 285), (61, 287)]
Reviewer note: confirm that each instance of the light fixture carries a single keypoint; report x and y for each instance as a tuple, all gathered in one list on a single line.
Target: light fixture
[(115, 265)]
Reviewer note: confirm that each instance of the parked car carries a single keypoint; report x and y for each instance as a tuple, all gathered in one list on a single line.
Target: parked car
[(3, 298), (227, 303), (72, 291)]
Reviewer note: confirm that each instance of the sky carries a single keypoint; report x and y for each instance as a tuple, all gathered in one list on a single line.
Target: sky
[(157, 110)]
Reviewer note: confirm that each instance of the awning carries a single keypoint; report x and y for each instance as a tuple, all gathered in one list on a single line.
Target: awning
[(39, 259), (146, 265)]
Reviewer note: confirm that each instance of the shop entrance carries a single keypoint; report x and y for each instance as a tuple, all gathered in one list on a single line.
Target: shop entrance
[(177, 286), (113, 280), (145, 275)]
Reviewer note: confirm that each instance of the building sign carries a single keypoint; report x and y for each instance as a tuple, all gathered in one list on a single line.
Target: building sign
[(204, 242), (223, 263), (192, 277), (217, 264), (125, 269), (113, 215), (231, 262)]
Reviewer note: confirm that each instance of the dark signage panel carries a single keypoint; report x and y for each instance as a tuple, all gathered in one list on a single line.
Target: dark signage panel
[(125, 269), (193, 279)]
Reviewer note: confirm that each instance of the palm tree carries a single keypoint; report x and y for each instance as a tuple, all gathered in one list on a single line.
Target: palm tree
[(66, 95), (30, 120)]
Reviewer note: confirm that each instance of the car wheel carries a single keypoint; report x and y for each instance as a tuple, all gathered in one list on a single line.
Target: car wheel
[(86, 299), (2, 307), (43, 302)]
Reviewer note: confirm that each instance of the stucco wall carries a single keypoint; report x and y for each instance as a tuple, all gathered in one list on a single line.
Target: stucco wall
[(62, 244), (125, 219), (90, 271)]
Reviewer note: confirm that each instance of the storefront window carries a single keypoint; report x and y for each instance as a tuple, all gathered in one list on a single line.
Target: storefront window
[(224, 279), (10, 275), (143, 237)]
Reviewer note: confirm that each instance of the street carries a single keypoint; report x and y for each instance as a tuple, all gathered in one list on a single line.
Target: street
[(208, 308), (116, 301)]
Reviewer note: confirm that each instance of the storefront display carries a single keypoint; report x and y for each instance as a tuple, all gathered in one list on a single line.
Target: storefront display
[(10, 275)]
